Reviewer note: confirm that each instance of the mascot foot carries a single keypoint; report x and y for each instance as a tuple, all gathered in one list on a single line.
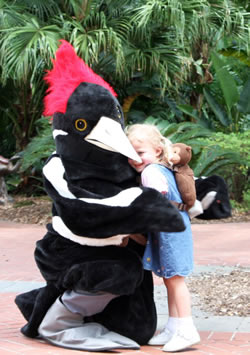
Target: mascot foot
[(66, 329)]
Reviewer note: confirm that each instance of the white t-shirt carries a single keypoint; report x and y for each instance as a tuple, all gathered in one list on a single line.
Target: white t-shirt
[(152, 177)]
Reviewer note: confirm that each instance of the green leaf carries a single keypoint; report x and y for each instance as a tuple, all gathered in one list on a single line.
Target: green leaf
[(227, 82), (212, 158), (217, 109), (215, 166), (189, 110), (244, 101)]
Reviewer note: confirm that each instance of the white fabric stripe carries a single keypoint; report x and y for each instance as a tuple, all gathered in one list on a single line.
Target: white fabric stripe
[(65, 232), (54, 171), (123, 199), (57, 132)]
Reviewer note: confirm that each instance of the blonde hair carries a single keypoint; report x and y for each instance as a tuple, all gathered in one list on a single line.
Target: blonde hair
[(151, 133)]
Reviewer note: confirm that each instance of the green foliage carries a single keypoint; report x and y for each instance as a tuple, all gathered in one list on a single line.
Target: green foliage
[(39, 149), (233, 163), (233, 103), (246, 199), (244, 205), (28, 180), (225, 105), (156, 50), (12, 181), (227, 82)]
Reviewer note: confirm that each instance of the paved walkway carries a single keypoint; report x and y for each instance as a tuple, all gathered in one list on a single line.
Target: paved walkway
[(220, 247)]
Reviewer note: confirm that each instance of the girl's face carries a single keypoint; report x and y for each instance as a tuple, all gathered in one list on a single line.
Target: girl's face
[(147, 152)]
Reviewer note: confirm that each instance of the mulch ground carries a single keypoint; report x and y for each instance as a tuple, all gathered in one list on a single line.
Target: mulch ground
[(37, 210)]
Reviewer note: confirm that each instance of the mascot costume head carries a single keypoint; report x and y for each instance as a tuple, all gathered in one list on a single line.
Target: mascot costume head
[(96, 204)]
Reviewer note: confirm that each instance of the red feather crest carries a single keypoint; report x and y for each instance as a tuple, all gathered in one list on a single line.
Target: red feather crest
[(68, 72)]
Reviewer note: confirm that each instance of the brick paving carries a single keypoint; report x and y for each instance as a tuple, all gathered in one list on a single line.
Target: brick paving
[(224, 244)]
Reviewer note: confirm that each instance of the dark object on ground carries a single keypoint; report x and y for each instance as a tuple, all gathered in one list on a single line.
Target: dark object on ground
[(220, 207)]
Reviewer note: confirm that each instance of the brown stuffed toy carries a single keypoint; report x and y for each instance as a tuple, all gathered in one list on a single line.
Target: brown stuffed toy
[(184, 176)]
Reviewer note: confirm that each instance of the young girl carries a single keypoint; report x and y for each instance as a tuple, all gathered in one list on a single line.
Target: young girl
[(168, 255)]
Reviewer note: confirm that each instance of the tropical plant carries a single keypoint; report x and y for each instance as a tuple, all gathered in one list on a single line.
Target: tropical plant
[(236, 104), (27, 44), (233, 164), (217, 22), (39, 149), (200, 27), (128, 42), (226, 98), (151, 52)]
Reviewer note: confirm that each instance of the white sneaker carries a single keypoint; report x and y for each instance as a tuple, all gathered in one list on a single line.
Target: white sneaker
[(162, 338), (180, 341)]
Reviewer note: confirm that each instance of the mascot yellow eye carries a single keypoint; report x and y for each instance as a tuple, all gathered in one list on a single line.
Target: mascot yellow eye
[(81, 124)]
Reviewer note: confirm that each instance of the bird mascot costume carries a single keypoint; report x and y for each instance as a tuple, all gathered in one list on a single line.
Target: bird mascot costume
[(97, 297)]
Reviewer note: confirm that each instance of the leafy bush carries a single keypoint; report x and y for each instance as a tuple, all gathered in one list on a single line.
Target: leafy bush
[(39, 149), (235, 171), (29, 178)]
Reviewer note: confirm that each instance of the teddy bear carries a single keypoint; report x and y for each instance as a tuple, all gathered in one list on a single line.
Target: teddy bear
[(180, 157), (204, 197)]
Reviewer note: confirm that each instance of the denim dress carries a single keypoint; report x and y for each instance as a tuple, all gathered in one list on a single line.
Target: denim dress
[(170, 254)]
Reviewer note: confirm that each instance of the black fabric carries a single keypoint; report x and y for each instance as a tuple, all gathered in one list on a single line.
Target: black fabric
[(34, 305), (137, 313), (133, 314), (69, 265), (221, 207)]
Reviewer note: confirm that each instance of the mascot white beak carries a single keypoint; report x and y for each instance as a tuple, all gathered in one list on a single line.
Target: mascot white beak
[(108, 134)]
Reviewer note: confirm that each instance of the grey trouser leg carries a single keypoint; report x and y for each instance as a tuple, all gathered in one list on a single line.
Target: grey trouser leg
[(63, 324), (86, 303)]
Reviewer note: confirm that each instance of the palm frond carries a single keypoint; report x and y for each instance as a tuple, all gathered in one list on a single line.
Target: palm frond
[(10, 15), (94, 36), (39, 8), (22, 46), (213, 158)]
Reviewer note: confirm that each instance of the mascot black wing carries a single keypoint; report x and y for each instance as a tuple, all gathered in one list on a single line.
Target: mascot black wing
[(96, 204)]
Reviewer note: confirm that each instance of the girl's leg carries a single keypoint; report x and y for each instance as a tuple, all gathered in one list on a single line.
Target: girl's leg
[(179, 303), (171, 327)]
